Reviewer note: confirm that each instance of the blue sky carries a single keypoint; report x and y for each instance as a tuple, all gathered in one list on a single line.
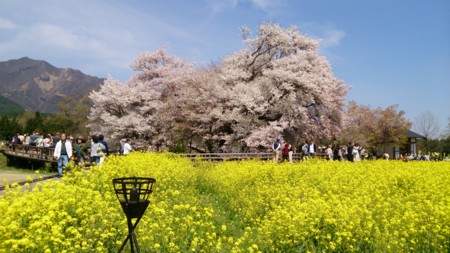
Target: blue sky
[(388, 51)]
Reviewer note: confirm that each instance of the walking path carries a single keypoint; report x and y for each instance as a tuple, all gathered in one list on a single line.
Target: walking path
[(34, 182)]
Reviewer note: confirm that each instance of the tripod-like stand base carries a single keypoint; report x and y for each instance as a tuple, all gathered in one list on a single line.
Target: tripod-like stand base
[(133, 193), (131, 236)]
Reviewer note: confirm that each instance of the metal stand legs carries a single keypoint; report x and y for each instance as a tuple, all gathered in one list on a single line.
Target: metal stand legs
[(131, 236)]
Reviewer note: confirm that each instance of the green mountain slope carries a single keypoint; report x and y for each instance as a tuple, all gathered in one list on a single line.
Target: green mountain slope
[(8, 107)]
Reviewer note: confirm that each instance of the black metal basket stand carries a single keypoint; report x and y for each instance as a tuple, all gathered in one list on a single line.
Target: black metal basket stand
[(133, 194)]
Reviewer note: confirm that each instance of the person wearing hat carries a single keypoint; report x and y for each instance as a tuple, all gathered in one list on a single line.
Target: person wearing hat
[(80, 150)]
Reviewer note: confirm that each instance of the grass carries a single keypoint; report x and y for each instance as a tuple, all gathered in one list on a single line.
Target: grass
[(11, 174)]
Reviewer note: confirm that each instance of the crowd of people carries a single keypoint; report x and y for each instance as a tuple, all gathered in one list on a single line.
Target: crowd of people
[(421, 157), (352, 152), (91, 149), (333, 152), (94, 149)]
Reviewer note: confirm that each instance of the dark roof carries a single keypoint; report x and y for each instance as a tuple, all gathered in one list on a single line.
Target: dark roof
[(412, 134)]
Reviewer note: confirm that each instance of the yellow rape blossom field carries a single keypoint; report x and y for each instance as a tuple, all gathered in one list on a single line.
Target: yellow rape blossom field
[(242, 206)]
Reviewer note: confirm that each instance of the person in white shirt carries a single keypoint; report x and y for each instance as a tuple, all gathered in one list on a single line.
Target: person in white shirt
[(127, 147), (312, 149), (63, 152), (329, 153), (355, 151), (96, 150)]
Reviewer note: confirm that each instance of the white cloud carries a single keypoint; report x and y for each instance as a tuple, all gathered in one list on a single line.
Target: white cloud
[(332, 37), (55, 36), (6, 24), (328, 35), (263, 4), (78, 35), (221, 5)]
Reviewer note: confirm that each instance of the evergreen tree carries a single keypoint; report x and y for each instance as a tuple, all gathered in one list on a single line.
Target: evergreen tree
[(34, 124)]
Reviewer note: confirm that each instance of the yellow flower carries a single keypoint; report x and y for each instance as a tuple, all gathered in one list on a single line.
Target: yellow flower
[(236, 206)]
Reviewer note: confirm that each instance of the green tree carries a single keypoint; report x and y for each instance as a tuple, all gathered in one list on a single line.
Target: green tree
[(71, 118), (9, 126), (34, 123), (446, 134), (446, 146), (4, 127)]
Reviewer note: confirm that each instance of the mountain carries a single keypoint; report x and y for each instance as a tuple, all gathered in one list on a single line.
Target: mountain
[(38, 86), (8, 107)]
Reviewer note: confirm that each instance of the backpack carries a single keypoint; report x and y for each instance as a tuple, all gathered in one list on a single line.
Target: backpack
[(276, 145), (100, 152)]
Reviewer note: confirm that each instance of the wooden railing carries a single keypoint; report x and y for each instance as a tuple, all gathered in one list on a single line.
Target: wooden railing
[(242, 156), (29, 152), (46, 154)]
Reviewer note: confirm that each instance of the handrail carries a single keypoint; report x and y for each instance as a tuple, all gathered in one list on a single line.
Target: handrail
[(46, 154), (242, 156), (29, 152)]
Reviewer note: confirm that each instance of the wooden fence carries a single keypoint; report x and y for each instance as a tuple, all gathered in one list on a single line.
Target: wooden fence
[(242, 156), (41, 154), (30, 153)]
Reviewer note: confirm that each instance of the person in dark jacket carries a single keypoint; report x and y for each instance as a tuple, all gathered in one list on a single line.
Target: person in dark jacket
[(335, 148), (101, 139), (80, 150), (350, 152), (276, 149)]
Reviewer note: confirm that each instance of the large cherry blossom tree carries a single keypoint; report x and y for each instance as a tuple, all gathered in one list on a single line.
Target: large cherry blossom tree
[(283, 87), (165, 101), (206, 111), (134, 108), (278, 85)]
